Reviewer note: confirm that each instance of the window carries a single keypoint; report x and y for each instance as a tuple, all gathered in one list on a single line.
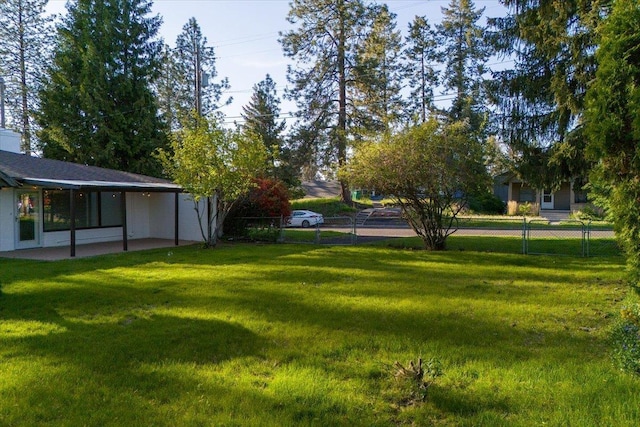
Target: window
[(93, 209), (527, 195)]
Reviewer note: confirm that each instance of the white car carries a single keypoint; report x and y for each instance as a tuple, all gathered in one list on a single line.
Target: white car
[(304, 219)]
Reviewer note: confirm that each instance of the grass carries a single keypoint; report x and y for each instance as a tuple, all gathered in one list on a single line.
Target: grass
[(288, 335)]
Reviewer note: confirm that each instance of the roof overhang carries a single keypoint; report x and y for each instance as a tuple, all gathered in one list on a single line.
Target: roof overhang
[(66, 184), (7, 180)]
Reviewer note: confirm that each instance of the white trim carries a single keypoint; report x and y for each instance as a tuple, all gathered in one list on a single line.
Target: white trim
[(547, 199)]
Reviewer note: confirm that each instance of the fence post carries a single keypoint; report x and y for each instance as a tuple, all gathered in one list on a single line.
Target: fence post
[(524, 235), (317, 240), (281, 237), (586, 237), (354, 226)]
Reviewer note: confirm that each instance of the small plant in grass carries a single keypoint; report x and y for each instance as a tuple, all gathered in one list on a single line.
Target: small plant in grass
[(626, 337), (413, 381)]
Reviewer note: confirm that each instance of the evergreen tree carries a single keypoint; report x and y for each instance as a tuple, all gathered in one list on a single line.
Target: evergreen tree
[(613, 125), (540, 102), (378, 74), (166, 89), (193, 68), (323, 45), (421, 57), (97, 106), (26, 37), (465, 54), (261, 117)]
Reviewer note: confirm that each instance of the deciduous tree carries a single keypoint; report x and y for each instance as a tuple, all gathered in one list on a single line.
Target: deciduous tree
[(216, 166), (430, 169)]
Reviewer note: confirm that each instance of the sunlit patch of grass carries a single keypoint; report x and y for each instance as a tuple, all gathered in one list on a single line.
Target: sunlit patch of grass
[(292, 335)]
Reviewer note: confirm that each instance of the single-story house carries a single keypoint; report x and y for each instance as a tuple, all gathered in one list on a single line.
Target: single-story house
[(569, 197), (46, 203)]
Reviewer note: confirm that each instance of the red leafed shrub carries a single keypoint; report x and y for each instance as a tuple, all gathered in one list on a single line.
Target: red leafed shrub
[(270, 198)]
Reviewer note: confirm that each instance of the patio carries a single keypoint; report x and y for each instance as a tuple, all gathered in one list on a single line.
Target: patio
[(92, 249)]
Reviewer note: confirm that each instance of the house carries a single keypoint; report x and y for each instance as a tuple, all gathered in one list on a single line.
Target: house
[(46, 203), (570, 197)]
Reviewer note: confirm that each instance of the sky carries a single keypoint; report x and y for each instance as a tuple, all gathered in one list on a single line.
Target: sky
[(245, 33)]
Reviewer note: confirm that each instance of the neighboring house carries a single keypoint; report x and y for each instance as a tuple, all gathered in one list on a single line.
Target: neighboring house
[(45, 203), (568, 197)]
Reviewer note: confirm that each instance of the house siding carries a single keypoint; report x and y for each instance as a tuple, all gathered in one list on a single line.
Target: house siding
[(7, 219)]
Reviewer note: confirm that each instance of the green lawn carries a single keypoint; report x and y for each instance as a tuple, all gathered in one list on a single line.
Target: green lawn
[(288, 335)]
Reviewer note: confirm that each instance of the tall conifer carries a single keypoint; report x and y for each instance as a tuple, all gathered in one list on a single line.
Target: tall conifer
[(97, 106)]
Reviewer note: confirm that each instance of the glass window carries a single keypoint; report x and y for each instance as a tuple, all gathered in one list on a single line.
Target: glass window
[(110, 209), (92, 209)]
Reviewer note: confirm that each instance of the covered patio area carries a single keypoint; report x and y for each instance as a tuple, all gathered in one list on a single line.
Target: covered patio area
[(91, 249)]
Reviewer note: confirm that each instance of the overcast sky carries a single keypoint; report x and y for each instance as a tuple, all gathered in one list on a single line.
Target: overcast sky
[(244, 34)]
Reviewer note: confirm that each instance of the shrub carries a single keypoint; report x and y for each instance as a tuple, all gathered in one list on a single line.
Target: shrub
[(528, 209), (486, 203), (588, 213), (269, 198), (625, 337)]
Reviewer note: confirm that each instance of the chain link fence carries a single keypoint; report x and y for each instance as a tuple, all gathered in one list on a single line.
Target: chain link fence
[(514, 234)]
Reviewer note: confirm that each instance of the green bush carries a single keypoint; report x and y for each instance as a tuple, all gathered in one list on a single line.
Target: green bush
[(486, 203), (626, 337)]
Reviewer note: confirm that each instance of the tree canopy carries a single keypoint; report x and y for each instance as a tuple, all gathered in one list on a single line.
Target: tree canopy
[(26, 33), (214, 165), (613, 125), (97, 106), (429, 169), (540, 102)]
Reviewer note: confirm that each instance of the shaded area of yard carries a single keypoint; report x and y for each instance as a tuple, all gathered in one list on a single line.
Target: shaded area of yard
[(306, 335)]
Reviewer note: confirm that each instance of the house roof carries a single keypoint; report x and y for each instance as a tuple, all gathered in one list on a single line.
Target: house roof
[(20, 169)]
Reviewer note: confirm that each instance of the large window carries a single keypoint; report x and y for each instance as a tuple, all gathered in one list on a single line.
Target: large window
[(93, 209)]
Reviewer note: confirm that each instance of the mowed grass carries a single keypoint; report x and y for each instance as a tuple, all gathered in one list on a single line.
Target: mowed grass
[(288, 335)]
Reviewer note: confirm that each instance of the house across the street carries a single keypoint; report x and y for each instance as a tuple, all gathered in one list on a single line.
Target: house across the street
[(48, 203), (570, 197)]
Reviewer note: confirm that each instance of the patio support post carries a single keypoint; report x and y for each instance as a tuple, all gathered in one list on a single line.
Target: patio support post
[(123, 210), (176, 225), (72, 218)]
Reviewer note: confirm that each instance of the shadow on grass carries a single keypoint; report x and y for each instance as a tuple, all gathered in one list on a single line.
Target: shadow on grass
[(119, 339)]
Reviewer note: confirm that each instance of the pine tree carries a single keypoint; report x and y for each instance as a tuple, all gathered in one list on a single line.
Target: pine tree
[(26, 33), (421, 58), (192, 65), (465, 54), (323, 46), (378, 74), (97, 106), (262, 119)]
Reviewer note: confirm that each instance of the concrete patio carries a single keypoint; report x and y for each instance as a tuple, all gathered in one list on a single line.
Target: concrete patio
[(92, 249)]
